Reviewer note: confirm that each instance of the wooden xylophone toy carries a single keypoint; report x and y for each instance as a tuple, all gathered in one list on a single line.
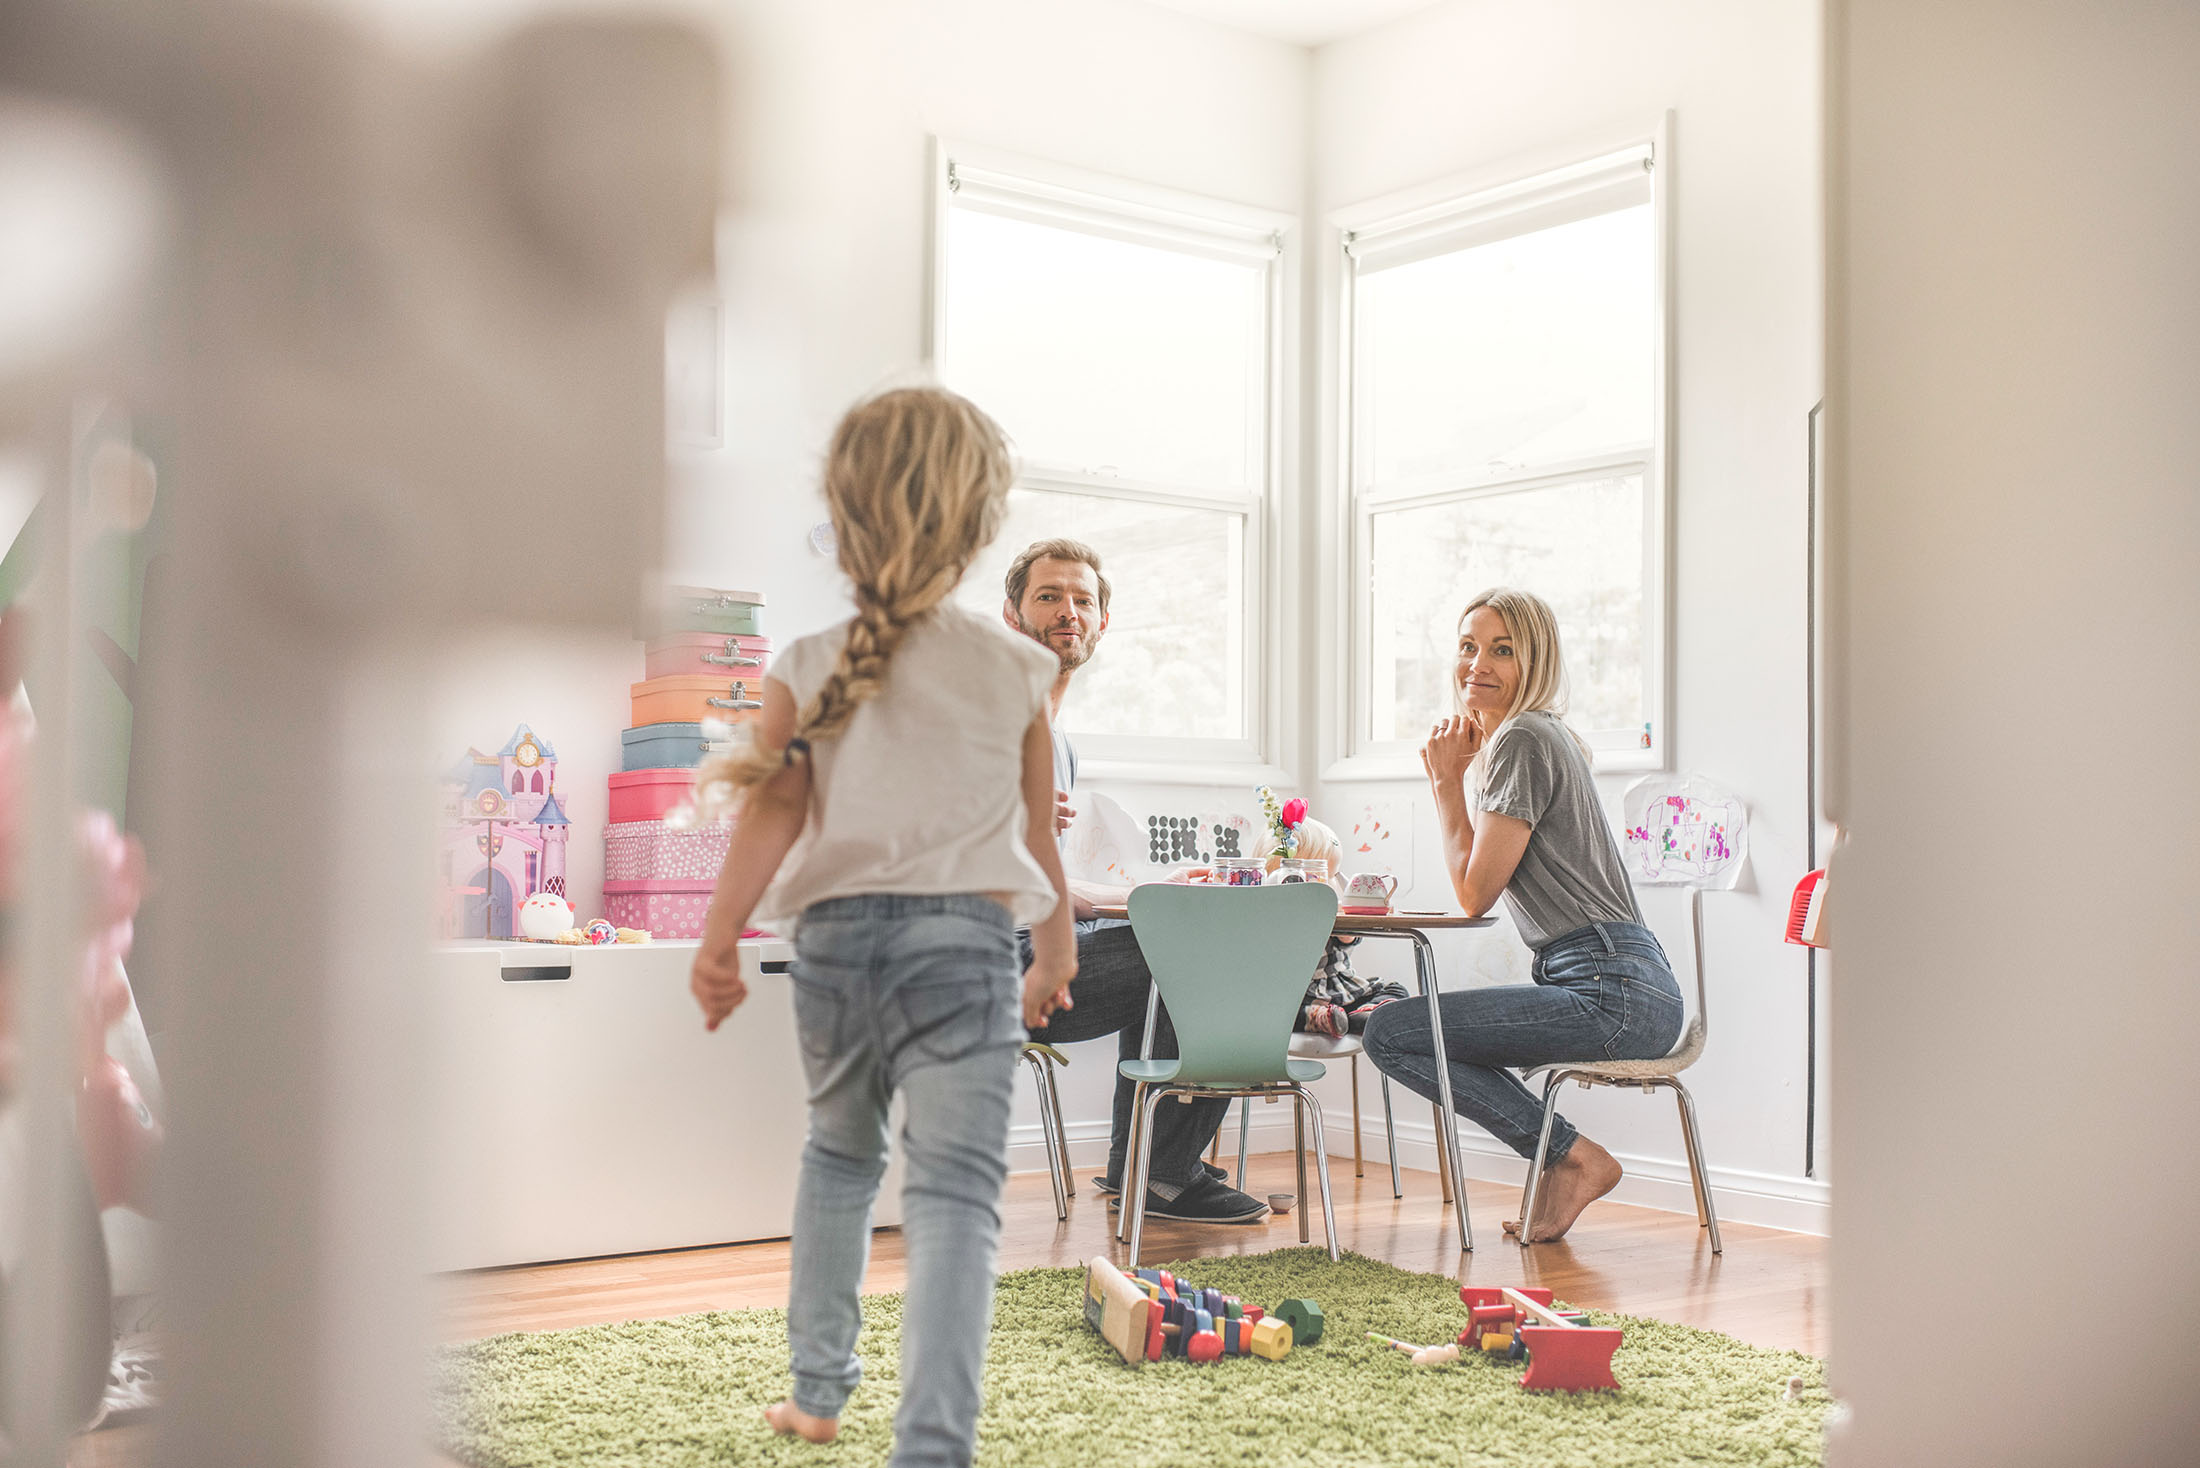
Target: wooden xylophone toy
[(1153, 1314)]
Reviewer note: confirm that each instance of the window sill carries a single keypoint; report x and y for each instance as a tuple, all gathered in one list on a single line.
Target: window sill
[(1373, 767), (1397, 768), (1228, 773)]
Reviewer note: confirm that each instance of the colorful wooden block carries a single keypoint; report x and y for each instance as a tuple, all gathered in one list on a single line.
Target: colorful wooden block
[(1255, 1314), (1233, 1307), (1305, 1319), (1271, 1339)]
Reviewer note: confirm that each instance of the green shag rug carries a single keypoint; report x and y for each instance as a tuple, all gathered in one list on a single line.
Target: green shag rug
[(691, 1391)]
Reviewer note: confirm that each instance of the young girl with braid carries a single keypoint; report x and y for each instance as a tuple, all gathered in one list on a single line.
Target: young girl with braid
[(896, 809)]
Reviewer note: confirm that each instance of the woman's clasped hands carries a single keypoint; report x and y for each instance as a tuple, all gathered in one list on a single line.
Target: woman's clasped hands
[(1453, 742)]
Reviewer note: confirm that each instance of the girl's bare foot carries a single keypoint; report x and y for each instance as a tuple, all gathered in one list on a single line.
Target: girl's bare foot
[(788, 1419), (1587, 1174)]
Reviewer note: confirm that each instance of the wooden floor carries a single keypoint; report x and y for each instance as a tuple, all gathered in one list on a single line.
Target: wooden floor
[(1768, 1288)]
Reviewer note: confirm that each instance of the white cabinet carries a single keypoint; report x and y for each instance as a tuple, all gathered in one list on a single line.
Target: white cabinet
[(579, 1107)]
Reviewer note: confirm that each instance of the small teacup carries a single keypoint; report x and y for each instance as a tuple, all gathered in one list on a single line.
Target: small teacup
[(1369, 893)]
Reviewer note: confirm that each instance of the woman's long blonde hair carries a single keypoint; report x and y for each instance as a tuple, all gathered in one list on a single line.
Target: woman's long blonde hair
[(1542, 686), (917, 481)]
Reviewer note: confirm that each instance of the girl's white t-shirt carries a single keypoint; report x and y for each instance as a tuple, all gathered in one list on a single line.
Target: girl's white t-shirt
[(922, 792)]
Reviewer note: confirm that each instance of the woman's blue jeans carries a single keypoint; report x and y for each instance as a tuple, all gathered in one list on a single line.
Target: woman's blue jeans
[(1604, 992), (921, 996)]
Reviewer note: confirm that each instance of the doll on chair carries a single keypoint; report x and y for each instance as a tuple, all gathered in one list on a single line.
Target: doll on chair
[(1338, 1001)]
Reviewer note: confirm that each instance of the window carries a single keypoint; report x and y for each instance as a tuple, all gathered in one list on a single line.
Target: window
[(1504, 422), (1126, 339)]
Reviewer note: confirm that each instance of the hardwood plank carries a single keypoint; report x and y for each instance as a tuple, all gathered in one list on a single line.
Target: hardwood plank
[(1765, 1289)]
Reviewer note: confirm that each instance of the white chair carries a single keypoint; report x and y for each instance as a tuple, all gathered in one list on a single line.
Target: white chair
[(1043, 1059), (1649, 1075)]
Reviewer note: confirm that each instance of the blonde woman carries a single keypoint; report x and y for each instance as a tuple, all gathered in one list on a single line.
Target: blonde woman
[(897, 813), (1521, 820)]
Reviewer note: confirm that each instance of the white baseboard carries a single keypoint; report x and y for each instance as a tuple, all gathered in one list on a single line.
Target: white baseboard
[(1802, 1205)]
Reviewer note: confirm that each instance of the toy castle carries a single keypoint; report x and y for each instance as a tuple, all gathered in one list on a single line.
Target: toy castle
[(503, 837)]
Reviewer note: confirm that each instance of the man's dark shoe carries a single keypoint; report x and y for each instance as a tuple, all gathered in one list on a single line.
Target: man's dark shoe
[(1109, 1186), (1207, 1201)]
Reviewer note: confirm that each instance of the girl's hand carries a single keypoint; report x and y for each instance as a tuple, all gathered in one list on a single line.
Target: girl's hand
[(716, 982), (1046, 990), (1452, 745)]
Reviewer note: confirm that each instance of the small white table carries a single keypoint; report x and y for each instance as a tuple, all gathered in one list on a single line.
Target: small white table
[(579, 1108)]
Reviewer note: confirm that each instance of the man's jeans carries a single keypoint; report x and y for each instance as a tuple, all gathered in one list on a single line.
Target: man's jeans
[(1109, 998), (1604, 992), (920, 995)]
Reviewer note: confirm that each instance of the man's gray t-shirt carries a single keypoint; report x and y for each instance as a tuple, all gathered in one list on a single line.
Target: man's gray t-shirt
[(1570, 875), (1065, 760)]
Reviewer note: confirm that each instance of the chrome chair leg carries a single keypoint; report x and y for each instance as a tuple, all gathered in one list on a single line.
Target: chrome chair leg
[(1390, 1135), (1245, 1122), (1321, 1169), (1055, 1161), (1298, 1138), (1705, 1213), (1535, 1163), (1061, 1132), (1443, 1158), (1359, 1166), (1130, 1158), (1134, 1206)]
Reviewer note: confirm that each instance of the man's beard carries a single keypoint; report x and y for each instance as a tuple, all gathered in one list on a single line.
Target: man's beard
[(1072, 657)]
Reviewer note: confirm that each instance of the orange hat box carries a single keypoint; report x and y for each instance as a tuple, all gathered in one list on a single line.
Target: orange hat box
[(690, 698)]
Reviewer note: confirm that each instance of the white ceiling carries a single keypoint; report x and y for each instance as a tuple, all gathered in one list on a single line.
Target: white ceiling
[(1301, 22)]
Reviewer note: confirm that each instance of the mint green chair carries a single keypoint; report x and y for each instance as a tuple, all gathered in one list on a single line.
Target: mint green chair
[(1232, 964)]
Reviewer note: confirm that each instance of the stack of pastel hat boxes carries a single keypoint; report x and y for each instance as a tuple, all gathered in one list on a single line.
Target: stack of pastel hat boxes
[(706, 662)]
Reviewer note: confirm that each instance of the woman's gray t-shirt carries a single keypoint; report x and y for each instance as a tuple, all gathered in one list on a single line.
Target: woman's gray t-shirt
[(1570, 875)]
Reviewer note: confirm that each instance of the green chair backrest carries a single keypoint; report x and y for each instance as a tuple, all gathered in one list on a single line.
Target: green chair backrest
[(1232, 964)]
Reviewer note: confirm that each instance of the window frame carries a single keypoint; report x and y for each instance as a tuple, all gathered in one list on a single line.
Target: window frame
[(1517, 197), (1065, 197)]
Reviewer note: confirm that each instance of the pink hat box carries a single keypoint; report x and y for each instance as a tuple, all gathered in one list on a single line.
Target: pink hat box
[(651, 851), (648, 795), (714, 653), (690, 698), (663, 909)]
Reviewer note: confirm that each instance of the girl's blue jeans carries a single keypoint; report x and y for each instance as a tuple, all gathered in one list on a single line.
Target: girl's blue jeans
[(1604, 992), (921, 996)]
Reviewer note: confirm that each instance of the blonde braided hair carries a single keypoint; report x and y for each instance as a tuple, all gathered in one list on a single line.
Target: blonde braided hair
[(917, 480)]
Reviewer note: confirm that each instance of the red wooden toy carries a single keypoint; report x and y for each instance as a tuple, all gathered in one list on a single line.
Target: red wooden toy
[(1563, 1356)]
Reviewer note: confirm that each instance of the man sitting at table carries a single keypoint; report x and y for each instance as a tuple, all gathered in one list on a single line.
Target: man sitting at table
[(1058, 598)]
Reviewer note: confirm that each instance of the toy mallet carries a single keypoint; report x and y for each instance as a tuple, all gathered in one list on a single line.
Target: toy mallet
[(1422, 1355), (1563, 1356)]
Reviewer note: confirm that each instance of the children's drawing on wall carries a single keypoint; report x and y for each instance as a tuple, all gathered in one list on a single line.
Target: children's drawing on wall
[(1104, 844), (1684, 831), (1380, 839)]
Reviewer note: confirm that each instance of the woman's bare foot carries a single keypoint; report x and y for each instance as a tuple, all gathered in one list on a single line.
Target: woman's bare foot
[(1586, 1174), (787, 1418)]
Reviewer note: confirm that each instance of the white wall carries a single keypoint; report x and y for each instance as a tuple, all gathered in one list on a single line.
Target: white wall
[(1470, 87), (2013, 320), (824, 258)]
